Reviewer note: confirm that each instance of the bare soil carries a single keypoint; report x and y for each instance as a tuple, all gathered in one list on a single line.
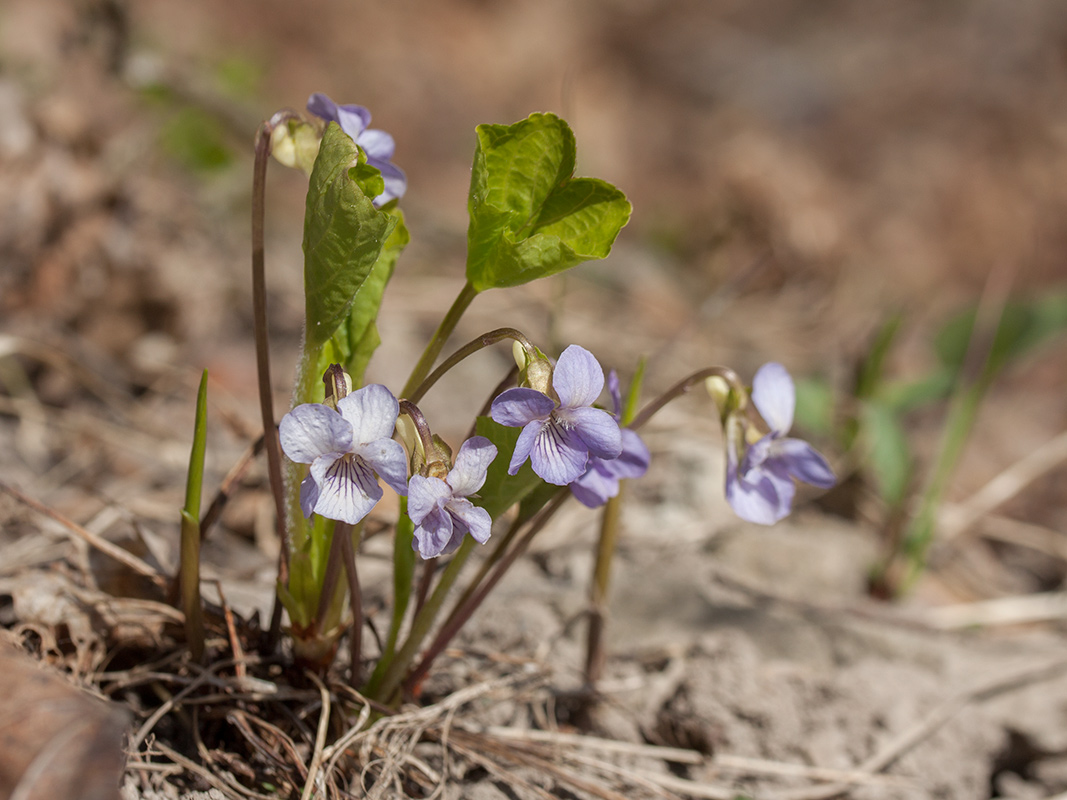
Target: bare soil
[(798, 173)]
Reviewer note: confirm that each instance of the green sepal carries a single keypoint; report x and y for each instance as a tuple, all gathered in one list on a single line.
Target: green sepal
[(500, 490), (529, 216), (344, 234)]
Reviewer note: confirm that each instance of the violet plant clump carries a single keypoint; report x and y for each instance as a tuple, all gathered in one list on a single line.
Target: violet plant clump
[(529, 218)]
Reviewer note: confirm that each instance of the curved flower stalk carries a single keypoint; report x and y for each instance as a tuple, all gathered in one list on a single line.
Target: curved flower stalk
[(560, 434), (346, 449), (760, 477), (378, 145), (600, 481), (439, 507)]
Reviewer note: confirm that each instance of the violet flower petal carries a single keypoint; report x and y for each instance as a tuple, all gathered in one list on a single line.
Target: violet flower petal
[(804, 462), (347, 489), (596, 428), (774, 396), (309, 495), (577, 377), (520, 406), (525, 444), (313, 430), (595, 487), (468, 471), (475, 520), (758, 497), (435, 534), (353, 119), (396, 182), (425, 494), (559, 455), (615, 393), (372, 412), (634, 459), (377, 143), (389, 460)]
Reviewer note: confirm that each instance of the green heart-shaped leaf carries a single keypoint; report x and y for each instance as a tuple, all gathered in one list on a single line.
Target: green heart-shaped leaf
[(529, 217)]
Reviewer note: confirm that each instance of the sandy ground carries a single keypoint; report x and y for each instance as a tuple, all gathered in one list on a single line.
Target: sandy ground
[(797, 173)]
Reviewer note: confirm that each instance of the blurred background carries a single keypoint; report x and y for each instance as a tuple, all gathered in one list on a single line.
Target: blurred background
[(802, 174)]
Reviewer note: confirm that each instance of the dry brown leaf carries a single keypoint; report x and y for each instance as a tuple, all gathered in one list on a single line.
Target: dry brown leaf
[(55, 741)]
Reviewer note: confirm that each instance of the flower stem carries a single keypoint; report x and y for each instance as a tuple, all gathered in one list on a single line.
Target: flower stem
[(469, 349), (403, 575), (599, 586), (437, 342), (683, 387), (487, 564), (333, 567), (463, 613), (266, 404), (355, 638), (422, 623)]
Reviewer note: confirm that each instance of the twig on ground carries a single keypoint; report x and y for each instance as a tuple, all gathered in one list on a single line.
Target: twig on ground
[(228, 485), (320, 738), (1000, 611), (724, 762), (107, 548), (955, 519), (239, 668), (227, 787)]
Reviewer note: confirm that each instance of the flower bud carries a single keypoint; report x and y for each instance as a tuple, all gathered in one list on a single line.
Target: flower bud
[(295, 143), (539, 375), (408, 434), (721, 393)]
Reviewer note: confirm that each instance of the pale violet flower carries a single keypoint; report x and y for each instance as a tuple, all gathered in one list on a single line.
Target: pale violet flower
[(559, 437), (600, 482), (346, 448), (378, 145), (759, 483), (440, 509)]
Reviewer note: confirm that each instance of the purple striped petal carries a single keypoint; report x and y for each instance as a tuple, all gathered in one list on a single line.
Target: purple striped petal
[(559, 455), (347, 489)]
